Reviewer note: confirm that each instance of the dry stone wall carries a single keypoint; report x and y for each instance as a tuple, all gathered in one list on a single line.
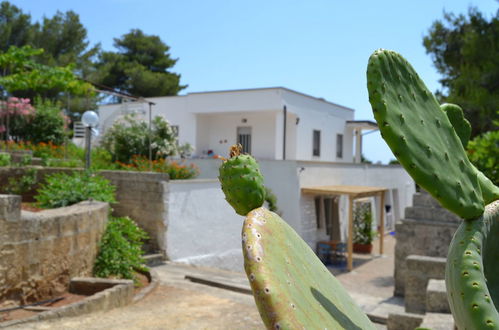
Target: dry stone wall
[(40, 252)]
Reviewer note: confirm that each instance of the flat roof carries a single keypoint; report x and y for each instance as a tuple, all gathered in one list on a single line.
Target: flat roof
[(354, 191), (267, 88), (364, 124)]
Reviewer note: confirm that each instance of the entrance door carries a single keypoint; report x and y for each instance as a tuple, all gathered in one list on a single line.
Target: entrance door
[(244, 138)]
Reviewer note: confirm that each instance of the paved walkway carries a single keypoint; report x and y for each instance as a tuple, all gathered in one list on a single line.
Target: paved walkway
[(180, 303)]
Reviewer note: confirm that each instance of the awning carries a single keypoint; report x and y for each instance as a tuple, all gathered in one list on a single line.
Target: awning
[(353, 192)]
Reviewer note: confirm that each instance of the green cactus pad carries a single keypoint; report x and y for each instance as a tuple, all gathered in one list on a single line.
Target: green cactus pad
[(242, 183), (421, 135), (291, 286), (472, 270), (461, 125)]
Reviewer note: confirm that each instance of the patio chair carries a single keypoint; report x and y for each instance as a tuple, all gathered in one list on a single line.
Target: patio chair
[(338, 255), (324, 253)]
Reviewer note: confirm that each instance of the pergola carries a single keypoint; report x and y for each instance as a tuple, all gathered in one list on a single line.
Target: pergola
[(353, 193)]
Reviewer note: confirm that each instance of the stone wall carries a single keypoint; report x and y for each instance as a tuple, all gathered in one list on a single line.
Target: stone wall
[(41, 252), (139, 195), (142, 196), (427, 230)]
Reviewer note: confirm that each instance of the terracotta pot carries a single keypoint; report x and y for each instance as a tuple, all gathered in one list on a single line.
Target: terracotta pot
[(362, 248)]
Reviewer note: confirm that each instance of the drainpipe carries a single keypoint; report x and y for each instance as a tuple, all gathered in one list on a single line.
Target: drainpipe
[(285, 112)]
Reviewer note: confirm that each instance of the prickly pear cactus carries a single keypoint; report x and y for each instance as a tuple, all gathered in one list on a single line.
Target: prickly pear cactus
[(461, 125), (291, 286), (463, 129), (429, 142), (472, 272), (242, 182), (421, 135)]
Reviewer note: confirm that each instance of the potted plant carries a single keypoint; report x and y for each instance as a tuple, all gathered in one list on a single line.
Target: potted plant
[(363, 233)]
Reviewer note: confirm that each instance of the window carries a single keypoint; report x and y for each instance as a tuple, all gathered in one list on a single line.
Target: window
[(175, 130), (316, 143), (339, 145), (244, 138)]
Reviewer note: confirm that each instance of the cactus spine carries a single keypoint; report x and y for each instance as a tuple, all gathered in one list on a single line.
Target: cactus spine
[(429, 142)]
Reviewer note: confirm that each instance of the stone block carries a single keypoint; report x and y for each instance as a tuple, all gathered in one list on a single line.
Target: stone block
[(418, 237), (420, 269), (10, 207), (436, 297), (438, 321), (430, 213), (403, 321), (91, 285)]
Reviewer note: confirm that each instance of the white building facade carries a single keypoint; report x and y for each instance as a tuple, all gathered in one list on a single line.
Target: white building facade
[(270, 123)]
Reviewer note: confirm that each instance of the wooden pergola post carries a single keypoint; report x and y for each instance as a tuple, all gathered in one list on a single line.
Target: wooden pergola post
[(381, 221), (350, 233)]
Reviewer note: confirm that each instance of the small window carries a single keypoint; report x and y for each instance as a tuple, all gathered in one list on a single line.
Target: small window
[(244, 138), (175, 130), (316, 144), (339, 145)]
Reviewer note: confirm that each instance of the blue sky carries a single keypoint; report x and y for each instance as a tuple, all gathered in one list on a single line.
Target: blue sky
[(317, 47)]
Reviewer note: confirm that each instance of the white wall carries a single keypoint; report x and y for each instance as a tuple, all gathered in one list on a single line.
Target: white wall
[(317, 114), (214, 128), (202, 228)]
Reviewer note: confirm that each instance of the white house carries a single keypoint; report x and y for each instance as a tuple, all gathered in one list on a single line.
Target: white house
[(301, 142), (271, 123)]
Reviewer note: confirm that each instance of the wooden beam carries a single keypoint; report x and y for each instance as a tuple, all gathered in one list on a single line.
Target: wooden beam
[(382, 221), (350, 233)]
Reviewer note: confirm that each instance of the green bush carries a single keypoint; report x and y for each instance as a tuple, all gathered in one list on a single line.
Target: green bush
[(130, 137), (47, 124), (362, 222), (120, 249), (4, 159), (61, 189), (22, 185), (483, 152)]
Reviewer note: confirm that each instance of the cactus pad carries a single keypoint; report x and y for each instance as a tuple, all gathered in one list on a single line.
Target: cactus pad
[(463, 129), (242, 182), (471, 273), (461, 125), (291, 286), (421, 135)]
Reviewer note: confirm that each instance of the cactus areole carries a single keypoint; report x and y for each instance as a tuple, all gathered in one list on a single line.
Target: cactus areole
[(242, 182)]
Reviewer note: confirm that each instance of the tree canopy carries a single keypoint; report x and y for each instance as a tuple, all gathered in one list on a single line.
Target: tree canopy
[(141, 66), (465, 51)]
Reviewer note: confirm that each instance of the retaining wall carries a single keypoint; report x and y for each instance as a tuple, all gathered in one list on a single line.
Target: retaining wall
[(139, 195), (40, 252)]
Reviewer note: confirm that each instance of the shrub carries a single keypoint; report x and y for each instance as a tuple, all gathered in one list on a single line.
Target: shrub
[(4, 159), (61, 189), (120, 249), (176, 170), (46, 124), (130, 137), (483, 152), (22, 185), (362, 222)]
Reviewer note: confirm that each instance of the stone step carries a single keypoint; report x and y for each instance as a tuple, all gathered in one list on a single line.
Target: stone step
[(154, 259), (438, 321), (436, 297), (403, 321), (431, 214), (424, 200)]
